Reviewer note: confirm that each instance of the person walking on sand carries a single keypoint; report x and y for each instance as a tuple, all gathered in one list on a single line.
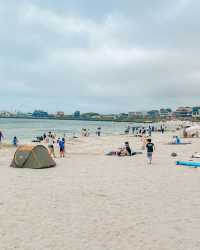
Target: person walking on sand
[(150, 149)]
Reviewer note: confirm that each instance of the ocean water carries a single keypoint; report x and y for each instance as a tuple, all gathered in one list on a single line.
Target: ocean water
[(27, 129)]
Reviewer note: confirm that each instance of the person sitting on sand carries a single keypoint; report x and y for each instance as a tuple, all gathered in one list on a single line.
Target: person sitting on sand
[(125, 151), (128, 149), (15, 141), (177, 140)]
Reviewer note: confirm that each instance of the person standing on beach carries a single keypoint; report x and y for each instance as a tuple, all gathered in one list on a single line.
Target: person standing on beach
[(150, 149), (144, 141), (61, 144), (1, 136), (51, 146), (98, 131), (44, 136), (162, 129), (149, 131), (15, 141)]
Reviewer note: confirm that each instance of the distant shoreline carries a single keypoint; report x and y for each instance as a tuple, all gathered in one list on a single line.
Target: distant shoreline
[(139, 120), (142, 120)]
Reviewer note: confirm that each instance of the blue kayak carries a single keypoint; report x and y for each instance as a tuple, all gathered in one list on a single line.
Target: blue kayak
[(188, 163)]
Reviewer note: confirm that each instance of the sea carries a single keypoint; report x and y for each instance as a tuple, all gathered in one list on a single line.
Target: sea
[(29, 129)]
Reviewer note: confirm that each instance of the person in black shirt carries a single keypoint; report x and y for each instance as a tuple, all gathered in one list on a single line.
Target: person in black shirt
[(125, 151), (150, 149), (128, 149), (1, 136)]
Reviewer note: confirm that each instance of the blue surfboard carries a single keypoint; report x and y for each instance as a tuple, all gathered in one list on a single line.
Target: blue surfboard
[(188, 164)]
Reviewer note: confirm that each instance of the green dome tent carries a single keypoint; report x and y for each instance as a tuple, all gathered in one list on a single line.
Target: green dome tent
[(35, 157)]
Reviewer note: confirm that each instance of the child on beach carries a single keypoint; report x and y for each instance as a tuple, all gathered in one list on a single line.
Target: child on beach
[(150, 149), (61, 144), (15, 141)]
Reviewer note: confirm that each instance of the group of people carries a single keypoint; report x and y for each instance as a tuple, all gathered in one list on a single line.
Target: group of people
[(127, 151), (141, 131), (86, 132), (15, 141), (52, 141)]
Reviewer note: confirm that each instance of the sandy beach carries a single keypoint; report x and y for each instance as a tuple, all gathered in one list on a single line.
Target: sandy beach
[(90, 201)]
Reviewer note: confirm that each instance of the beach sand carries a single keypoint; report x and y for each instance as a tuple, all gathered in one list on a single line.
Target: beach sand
[(95, 202)]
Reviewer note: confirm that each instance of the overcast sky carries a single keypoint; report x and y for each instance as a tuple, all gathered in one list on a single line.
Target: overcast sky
[(104, 56)]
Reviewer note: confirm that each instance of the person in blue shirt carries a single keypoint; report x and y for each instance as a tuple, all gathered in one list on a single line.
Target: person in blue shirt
[(61, 144), (178, 141)]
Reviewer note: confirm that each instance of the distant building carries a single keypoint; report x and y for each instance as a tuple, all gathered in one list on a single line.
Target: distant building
[(40, 114), (137, 114), (23, 115), (60, 114), (183, 112), (196, 112), (6, 114), (122, 115), (134, 114), (153, 113), (165, 113), (77, 114)]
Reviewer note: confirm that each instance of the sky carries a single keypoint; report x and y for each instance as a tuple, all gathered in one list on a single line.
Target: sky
[(105, 56)]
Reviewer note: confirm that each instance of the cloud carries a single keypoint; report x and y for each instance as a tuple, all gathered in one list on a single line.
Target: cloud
[(111, 57)]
